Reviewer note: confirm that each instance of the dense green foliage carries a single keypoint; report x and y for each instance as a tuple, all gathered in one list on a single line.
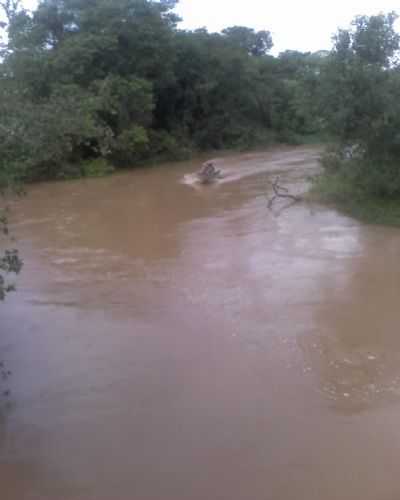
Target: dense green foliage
[(360, 90), (117, 81)]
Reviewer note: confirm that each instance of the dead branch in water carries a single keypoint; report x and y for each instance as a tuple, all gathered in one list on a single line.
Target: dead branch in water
[(282, 192)]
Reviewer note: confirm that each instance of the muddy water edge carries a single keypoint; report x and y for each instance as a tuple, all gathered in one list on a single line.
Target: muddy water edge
[(176, 342)]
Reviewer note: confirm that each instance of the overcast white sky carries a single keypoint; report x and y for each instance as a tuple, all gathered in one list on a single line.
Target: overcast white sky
[(305, 25)]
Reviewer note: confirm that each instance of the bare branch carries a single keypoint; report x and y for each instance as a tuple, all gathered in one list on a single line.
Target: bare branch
[(282, 192), (10, 7)]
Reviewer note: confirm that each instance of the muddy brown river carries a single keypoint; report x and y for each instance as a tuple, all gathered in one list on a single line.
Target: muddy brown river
[(170, 341)]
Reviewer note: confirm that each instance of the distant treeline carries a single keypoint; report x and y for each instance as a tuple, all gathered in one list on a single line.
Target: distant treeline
[(90, 85)]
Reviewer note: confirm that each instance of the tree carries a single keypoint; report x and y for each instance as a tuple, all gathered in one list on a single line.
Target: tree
[(357, 81), (255, 43), (360, 85), (10, 8), (374, 39), (77, 77)]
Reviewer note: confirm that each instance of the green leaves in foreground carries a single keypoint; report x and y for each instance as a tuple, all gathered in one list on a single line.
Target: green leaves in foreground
[(10, 263)]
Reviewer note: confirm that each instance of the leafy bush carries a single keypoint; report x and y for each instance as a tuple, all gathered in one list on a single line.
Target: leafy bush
[(131, 146), (164, 145), (98, 167)]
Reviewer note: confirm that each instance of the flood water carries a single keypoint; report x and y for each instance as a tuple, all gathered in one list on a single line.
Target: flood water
[(176, 342)]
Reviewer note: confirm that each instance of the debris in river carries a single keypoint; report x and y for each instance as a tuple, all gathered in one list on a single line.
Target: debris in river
[(282, 192)]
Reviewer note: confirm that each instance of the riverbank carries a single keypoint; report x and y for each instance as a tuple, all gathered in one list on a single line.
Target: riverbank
[(103, 167), (336, 191)]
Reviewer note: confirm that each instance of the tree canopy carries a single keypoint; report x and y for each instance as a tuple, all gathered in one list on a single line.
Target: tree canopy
[(116, 80)]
